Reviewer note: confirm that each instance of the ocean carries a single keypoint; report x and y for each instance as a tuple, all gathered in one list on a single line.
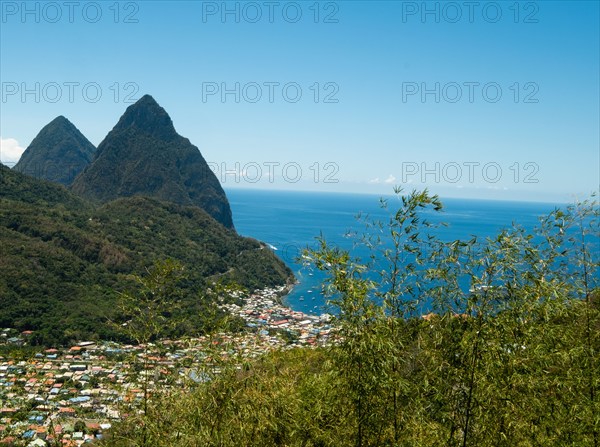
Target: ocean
[(290, 221)]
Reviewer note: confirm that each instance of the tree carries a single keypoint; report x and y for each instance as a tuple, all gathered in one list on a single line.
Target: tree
[(150, 314), (505, 354), (511, 314)]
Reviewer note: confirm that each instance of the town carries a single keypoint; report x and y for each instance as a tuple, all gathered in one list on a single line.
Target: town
[(72, 396)]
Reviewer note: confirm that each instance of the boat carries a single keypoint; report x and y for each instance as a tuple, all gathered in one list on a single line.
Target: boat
[(479, 288)]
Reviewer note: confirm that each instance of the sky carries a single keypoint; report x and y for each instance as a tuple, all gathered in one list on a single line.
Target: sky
[(488, 100)]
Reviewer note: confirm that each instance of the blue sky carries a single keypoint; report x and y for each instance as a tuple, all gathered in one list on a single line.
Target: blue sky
[(496, 102)]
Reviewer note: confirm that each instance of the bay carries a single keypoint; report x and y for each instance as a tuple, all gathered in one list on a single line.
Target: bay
[(290, 221)]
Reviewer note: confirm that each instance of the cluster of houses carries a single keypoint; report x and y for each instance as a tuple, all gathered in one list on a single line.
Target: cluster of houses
[(65, 397), (263, 311), (72, 396)]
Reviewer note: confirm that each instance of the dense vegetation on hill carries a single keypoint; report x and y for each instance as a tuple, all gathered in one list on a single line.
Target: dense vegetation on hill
[(510, 359), (58, 153), (63, 259), (144, 155)]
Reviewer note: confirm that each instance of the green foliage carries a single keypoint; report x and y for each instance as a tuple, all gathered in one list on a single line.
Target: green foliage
[(149, 312), (64, 261), (79, 426), (508, 358)]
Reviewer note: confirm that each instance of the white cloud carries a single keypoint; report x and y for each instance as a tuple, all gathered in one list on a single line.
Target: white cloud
[(377, 180), (10, 151)]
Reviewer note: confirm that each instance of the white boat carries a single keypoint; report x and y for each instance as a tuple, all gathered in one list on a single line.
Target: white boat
[(479, 288)]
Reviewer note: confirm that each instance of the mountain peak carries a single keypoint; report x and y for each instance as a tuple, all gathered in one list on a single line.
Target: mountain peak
[(147, 99), (58, 153), (58, 124), (60, 119), (144, 155), (148, 116)]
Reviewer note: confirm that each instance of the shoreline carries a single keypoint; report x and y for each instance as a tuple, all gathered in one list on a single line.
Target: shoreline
[(266, 311), (94, 376)]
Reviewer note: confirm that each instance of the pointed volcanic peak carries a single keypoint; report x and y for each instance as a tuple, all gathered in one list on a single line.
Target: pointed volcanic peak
[(58, 153), (144, 155), (148, 117)]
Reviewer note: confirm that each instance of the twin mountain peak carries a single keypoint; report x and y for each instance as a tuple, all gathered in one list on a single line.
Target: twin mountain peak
[(142, 155)]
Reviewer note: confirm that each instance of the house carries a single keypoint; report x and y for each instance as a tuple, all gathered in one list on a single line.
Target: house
[(66, 411), (15, 341)]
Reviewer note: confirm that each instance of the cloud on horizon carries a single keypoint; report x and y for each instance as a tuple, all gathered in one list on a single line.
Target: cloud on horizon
[(377, 181), (390, 179), (10, 151)]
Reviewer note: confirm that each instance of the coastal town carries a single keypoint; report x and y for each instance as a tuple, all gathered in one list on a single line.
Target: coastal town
[(72, 396)]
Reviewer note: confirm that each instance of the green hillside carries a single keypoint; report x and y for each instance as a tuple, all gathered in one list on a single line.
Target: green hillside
[(63, 259)]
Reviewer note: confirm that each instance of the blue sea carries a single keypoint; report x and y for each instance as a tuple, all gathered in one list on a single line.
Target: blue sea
[(290, 221)]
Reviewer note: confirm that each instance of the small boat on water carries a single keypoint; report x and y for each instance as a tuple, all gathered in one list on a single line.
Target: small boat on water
[(479, 288)]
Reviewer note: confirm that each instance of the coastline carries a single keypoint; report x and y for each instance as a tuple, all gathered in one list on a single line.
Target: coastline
[(266, 312)]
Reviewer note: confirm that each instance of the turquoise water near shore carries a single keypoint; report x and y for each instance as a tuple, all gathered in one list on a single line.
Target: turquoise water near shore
[(291, 221)]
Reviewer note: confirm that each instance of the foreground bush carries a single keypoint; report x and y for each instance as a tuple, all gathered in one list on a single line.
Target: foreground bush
[(508, 357)]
